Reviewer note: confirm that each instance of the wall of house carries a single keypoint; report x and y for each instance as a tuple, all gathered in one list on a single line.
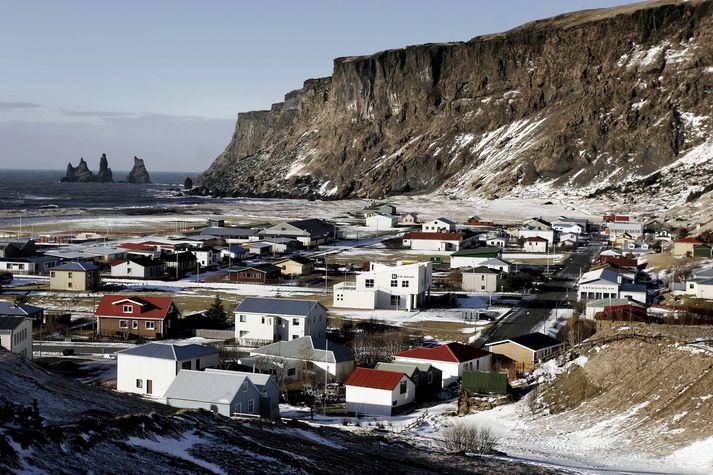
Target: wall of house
[(19, 341), (597, 291), (19, 268), (463, 261), (129, 368), (545, 234), (432, 245), (354, 298), (513, 351), (256, 326), (110, 326), (378, 402), (473, 282), (80, 281)]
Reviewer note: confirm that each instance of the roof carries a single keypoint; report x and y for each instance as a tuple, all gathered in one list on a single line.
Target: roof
[(298, 259), (495, 262), (453, 352), (277, 306), (136, 246), (533, 341), (77, 266), (478, 251), (170, 351), (601, 303), (407, 368), (143, 307), (206, 386), (303, 347), (258, 379), (313, 226), (536, 239), (11, 323), (688, 240), (443, 220), (259, 267), (375, 378), (478, 270), (20, 309), (143, 261), (455, 236), (228, 231)]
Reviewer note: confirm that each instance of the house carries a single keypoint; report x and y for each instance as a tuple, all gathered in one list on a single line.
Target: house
[(702, 250), (75, 276), (259, 248), (477, 221), (700, 287), (382, 221), (233, 252), (439, 225), (568, 239), (567, 227), (17, 309), (684, 246), (17, 248), (258, 274), (207, 256), (34, 265), (583, 223), (612, 218), (285, 244), (409, 218), (151, 368), (105, 254), (295, 266), (228, 393), (215, 222), (475, 256), (633, 229), (437, 241), (526, 232), (497, 241), (426, 377), (452, 359), (599, 284), (403, 286), (310, 232), (480, 279), (185, 262), (499, 265), (16, 335), (663, 235), (628, 312), (537, 223), (635, 292), (140, 317), (384, 208), (374, 392), (595, 306), (231, 235), (269, 391), (266, 320), (535, 244), (138, 267), (298, 356), (529, 348)]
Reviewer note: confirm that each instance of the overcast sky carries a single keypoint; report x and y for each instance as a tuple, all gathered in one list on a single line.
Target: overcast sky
[(164, 80)]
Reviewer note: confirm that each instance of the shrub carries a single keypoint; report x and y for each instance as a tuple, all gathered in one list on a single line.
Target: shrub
[(462, 437)]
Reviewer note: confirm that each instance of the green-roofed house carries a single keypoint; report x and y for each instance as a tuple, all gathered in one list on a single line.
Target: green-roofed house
[(426, 377), (702, 250), (475, 256)]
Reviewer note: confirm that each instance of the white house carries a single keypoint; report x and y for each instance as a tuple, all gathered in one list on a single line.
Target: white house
[(496, 241), (294, 356), (436, 241), (386, 286), (564, 237), (375, 392), (599, 284), (499, 265), (16, 335), (567, 227), (207, 256), (475, 256), (138, 267), (382, 221), (633, 229), (480, 279), (438, 225), (535, 244), (529, 232), (700, 287), (266, 320), (151, 368), (452, 359)]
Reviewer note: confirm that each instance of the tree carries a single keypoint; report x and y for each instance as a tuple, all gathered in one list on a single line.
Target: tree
[(216, 314)]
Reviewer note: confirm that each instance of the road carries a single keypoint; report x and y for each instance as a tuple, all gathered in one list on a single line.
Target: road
[(80, 348), (532, 313)]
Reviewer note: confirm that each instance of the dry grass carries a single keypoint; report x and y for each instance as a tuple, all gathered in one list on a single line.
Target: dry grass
[(441, 330)]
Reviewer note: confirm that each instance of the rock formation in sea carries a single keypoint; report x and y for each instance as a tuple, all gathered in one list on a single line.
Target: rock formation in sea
[(188, 183), (104, 175), (138, 173)]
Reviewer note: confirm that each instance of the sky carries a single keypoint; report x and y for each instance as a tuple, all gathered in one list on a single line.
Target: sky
[(165, 79)]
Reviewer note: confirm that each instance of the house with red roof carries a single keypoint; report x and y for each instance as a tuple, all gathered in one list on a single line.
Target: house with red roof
[(438, 241), (535, 244), (129, 316), (452, 359), (375, 392), (684, 246)]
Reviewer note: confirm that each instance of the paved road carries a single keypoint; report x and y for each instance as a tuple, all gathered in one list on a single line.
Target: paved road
[(531, 314)]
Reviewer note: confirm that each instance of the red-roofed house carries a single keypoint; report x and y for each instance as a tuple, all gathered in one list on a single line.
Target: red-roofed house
[(437, 241), (623, 313), (452, 359), (535, 244), (684, 246), (140, 317), (376, 392)]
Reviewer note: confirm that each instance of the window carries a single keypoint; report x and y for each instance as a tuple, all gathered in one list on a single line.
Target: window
[(127, 309), (393, 403), (150, 325), (294, 337), (239, 408), (263, 320), (69, 275), (251, 406), (69, 285), (404, 283), (403, 387), (186, 365), (430, 378), (291, 371), (123, 324), (198, 364), (296, 321), (134, 324), (128, 270), (340, 298), (139, 383), (245, 386), (52, 274), (396, 300), (243, 318), (394, 283), (243, 333), (369, 283)]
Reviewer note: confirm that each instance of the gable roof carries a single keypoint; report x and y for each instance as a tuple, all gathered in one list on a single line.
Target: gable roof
[(687, 240), (375, 378), (532, 341), (207, 386), (483, 251), (21, 309), (170, 351), (277, 306), (143, 307), (407, 368), (298, 259), (77, 267), (303, 347), (143, 261), (443, 220), (495, 262), (265, 268), (478, 270), (453, 352), (258, 379), (536, 239), (420, 235), (8, 324)]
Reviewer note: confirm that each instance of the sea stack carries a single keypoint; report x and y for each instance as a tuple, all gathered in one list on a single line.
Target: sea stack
[(104, 175), (188, 183), (81, 173), (138, 173)]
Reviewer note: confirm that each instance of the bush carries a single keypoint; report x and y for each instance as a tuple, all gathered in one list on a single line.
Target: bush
[(463, 437)]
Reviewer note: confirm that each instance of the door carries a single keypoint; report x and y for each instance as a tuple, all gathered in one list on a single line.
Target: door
[(149, 386)]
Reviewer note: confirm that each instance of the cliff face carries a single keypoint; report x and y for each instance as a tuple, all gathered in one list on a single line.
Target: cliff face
[(582, 101), (82, 174), (138, 173)]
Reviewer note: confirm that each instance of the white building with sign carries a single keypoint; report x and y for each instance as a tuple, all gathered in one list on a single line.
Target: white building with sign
[(385, 286)]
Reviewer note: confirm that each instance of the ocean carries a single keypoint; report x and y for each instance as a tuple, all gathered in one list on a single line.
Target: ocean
[(27, 190)]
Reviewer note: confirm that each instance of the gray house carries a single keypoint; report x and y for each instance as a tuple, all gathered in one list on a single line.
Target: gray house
[(427, 378), (15, 309), (269, 391), (228, 393), (310, 232)]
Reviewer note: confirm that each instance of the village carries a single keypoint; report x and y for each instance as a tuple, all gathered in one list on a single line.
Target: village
[(302, 317)]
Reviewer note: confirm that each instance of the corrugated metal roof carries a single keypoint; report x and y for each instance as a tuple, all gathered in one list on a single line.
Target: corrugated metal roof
[(169, 351), (21, 309), (10, 323), (277, 306), (454, 352), (374, 378), (206, 386), (258, 379), (303, 346), (77, 266)]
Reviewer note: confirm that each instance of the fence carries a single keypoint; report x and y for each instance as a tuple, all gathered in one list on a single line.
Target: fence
[(215, 334), (485, 383)]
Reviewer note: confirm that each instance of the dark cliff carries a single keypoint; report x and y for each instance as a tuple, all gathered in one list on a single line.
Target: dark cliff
[(82, 174), (138, 173), (581, 101)]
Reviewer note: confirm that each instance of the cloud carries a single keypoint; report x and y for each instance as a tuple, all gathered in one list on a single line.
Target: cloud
[(18, 105), (97, 114)]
